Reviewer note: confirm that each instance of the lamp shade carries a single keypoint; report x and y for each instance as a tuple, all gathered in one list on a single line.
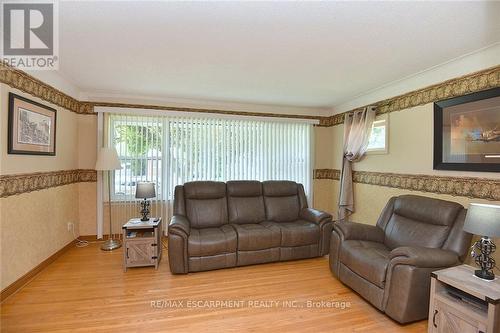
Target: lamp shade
[(483, 220), (107, 159), (145, 190)]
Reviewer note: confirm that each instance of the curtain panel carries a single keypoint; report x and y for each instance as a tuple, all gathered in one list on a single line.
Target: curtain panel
[(357, 129)]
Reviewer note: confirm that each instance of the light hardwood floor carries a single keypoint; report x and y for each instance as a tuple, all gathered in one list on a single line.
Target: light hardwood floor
[(86, 290)]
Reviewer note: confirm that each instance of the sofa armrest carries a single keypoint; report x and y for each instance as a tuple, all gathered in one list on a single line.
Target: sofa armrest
[(423, 257), (180, 222), (314, 215), (359, 231)]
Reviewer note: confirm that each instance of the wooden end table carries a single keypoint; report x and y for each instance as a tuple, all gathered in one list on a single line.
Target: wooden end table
[(142, 244), (462, 302)]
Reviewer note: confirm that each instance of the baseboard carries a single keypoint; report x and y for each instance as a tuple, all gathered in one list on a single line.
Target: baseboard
[(23, 280), (90, 238)]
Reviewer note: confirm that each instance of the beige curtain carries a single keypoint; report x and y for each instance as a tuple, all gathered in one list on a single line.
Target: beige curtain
[(357, 129)]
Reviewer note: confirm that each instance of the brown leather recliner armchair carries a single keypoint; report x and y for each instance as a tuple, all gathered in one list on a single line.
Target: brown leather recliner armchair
[(390, 264), (218, 225)]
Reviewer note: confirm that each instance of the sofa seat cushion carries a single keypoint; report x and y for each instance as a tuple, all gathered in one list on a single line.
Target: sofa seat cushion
[(298, 233), (212, 241), (367, 259), (259, 236)]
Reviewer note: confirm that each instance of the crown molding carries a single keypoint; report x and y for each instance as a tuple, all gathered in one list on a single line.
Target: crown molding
[(21, 80), (475, 188), (463, 85)]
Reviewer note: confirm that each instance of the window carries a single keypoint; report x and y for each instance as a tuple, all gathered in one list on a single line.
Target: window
[(379, 135), (139, 143), (171, 150)]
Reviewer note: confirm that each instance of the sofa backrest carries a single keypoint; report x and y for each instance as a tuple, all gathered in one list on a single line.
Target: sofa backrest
[(205, 203), (411, 220), (245, 202), (283, 200), (211, 204)]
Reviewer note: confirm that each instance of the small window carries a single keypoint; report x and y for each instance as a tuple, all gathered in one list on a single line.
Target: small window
[(379, 135)]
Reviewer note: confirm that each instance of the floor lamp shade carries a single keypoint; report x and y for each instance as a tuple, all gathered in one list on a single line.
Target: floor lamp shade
[(107, 159)]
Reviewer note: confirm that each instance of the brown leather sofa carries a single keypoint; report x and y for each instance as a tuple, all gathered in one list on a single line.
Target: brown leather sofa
[(390, 264), (218, 225)]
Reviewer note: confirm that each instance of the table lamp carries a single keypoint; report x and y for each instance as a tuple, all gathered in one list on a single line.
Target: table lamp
[(145, 191), (483, 220), (107, 160)]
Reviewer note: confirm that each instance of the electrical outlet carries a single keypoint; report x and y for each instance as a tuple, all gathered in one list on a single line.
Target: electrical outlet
[(70, 226)]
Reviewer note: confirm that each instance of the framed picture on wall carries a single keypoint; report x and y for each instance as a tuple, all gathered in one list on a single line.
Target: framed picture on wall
[(467, 132), (32, 127)]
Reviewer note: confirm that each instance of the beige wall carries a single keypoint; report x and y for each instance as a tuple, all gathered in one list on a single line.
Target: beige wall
[(410, 146), (66, 141), (33, 226)]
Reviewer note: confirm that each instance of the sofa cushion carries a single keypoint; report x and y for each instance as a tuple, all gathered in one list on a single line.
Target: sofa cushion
[(204, 190), (427, 210), (281, 200), (297, 233), (212, 241), (244, 188), (403, 231), (257, 236), (206, 204), (279, 188), (245, 202), (367, 259)]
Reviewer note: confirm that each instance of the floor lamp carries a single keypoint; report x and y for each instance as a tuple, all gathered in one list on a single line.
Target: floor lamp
[(107, 160)]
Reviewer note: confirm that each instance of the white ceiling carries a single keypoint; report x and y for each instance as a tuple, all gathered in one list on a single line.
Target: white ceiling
[(306, 54)]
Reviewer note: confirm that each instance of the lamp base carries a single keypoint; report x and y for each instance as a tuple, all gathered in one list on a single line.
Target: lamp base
[(111, 244), (484, 274), (483, 259)]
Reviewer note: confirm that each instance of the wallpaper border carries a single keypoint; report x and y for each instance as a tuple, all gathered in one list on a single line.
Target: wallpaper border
[(476, 188), (28, 182), (482, 80), (21, 80), (470, 83)]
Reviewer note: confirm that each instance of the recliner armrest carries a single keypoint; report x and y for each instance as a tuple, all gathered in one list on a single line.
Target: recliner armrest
[(423, 257), (314, 215), (359, 231), (180, 222)]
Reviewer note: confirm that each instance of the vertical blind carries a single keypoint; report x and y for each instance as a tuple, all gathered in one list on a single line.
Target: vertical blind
[(170, 151)]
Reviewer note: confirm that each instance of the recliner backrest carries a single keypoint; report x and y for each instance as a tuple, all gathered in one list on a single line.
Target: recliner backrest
[(459, 240), (205, 203), (418, 221), (283, 200), (245, 202)]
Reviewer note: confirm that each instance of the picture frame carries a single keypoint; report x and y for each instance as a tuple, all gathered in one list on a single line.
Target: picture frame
[(31, 127), (467, 132)]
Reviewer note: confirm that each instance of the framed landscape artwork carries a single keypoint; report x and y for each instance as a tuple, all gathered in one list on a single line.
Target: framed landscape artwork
[(32, 127), (467, 132)]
